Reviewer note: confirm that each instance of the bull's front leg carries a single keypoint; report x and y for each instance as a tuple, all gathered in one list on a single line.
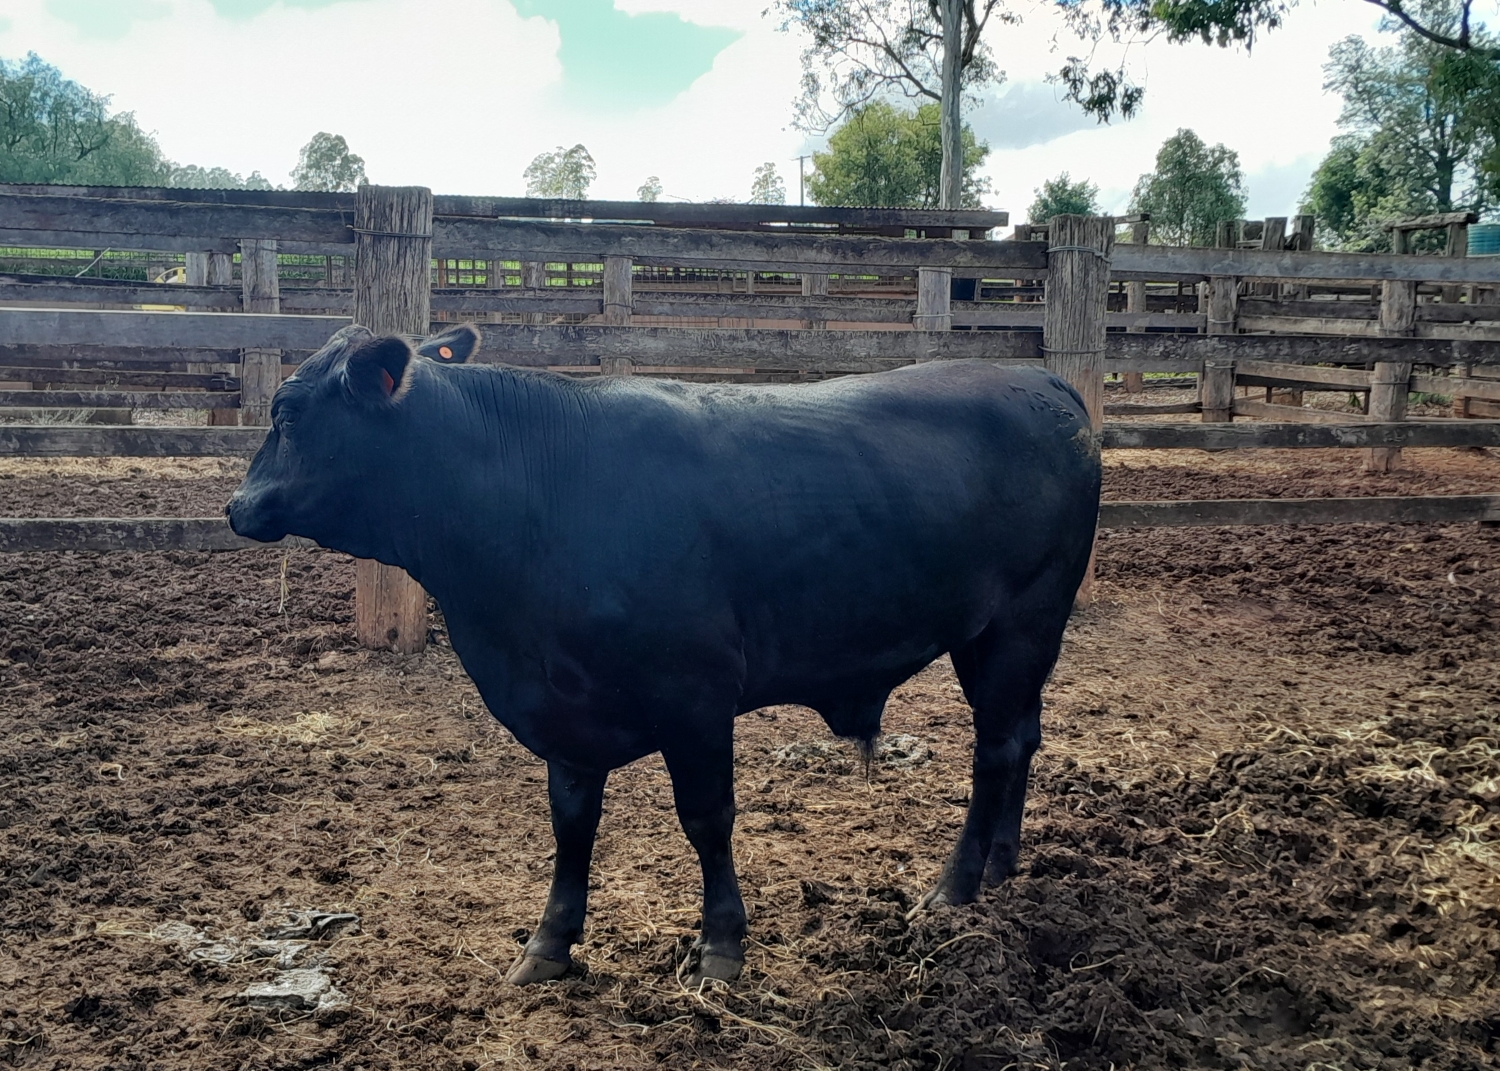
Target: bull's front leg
[(576, 796), (702, 768)]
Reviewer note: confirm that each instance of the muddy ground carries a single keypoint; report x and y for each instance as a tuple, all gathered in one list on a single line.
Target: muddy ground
[(1262, 831)]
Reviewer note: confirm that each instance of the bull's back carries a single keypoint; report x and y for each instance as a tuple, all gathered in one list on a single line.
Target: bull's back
[(882, 519)]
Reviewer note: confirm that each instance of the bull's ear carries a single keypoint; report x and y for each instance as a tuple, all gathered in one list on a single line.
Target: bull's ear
[(377, 369), (453, 346)]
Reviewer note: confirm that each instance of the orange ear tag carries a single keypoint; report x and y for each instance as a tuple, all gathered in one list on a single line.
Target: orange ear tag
[(390, 384), (445, 353)]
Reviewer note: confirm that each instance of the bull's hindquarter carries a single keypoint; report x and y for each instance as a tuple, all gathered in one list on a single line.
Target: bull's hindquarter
[(625, 565)]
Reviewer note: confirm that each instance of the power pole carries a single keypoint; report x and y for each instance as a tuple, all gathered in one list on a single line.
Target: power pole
[(802, 179)]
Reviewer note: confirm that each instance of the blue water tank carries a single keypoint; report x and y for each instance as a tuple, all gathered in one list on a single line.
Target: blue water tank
[(1484, 240)]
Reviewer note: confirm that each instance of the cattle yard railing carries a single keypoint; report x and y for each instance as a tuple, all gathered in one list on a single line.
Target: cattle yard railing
[(744, 292)]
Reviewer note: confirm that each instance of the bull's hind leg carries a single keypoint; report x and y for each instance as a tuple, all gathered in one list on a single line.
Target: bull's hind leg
[(701, 763), (576, 796), (1002, 672)]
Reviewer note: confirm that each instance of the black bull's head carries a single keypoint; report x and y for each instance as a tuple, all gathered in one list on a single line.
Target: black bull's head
[(335, 452)]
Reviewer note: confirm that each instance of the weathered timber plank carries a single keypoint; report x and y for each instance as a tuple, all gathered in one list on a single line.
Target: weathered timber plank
[(995, 314), (1457, 386), (52, 288), (1325, 310), (1301, 349), (1457, 313), (1303, 376), (525, 344), (777, 307), (20, 535), (165, 330), (1165, 262), (1300, 435), (103, 399), (141, 359), (663, 213), (1147, 364), (135, 534), (89, 222), (1442, 219), (72, 440), (1438, 509), (68, 440), (1310, 325), (1128, 409), (1271, 411), (529, 240), (114, 377)]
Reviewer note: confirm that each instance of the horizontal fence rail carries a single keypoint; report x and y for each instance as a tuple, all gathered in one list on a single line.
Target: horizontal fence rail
[(104, 534), (69, 440)]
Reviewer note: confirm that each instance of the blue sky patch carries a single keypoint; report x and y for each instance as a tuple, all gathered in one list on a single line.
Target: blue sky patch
[(108, 20), (615, 60), (248, 9)]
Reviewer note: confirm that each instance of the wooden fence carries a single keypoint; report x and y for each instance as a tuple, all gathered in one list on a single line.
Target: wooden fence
[(752, 293)]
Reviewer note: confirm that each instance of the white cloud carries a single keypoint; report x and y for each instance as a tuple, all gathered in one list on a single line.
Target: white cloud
[(463, 101)]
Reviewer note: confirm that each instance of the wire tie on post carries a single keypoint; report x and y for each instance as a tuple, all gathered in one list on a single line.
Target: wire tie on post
[(388, 234), (1077, 249), (1049, 349)]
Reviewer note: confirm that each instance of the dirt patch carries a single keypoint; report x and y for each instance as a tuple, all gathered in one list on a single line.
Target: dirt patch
[(1261, 832)]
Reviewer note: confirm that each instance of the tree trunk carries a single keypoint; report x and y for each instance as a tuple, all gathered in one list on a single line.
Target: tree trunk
[(951, 186)]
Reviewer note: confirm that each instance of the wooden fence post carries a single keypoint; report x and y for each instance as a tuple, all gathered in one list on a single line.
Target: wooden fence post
[(934, 300), (534, 277), (1273, 237), (815, 285), (1075, 317), (1135, 301), (1216, 381), (617, 292), (392, 295), (1391, 380), (209, 269), (260, 370)]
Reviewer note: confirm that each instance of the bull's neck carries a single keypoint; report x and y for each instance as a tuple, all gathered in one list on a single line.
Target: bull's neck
[(487, 443)]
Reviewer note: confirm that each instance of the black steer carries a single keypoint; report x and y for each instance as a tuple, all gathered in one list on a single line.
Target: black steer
[(626, 564)]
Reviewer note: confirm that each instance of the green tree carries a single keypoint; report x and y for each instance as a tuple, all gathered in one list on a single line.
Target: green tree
[(863, 51), (564, 173), (1420, 134), (1448, 25), (193, 177), (766, 188), (1061, 196), (650, 190), (53, 130), (1193, 187), (326, 164), (884, 157)]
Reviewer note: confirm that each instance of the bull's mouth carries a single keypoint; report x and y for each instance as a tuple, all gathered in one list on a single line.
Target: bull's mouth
[(251, 522)]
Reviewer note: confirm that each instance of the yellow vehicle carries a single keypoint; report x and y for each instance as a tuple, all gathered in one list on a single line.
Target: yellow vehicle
[(173, 276)]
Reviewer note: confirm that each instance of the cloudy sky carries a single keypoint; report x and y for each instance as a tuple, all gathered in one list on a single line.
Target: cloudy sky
[(460, 95)]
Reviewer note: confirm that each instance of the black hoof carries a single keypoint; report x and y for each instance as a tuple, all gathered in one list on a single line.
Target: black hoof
[(701, 966), (530, 970)]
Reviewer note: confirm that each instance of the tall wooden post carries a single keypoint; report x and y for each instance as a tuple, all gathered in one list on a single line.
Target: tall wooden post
[(815, 285), (1391, 380), (1216, 381), (617, 292), (1135, 301), (260, 370), (209, 269), (1074, 320), (392, 295), (934, 300), (534, 277)]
